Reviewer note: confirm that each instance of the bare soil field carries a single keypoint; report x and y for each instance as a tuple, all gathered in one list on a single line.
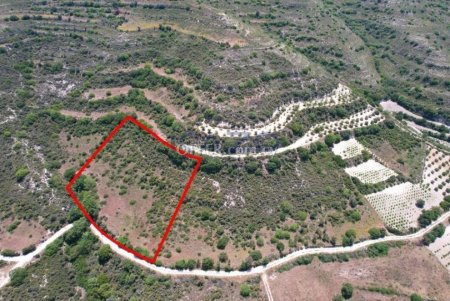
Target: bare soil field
[(27, 233), (218, 289), (124, 109), (407, 270), (138, 25), (101, 93), (391, 157)]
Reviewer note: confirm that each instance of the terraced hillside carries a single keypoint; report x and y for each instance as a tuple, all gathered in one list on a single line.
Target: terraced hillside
[(280, 98)]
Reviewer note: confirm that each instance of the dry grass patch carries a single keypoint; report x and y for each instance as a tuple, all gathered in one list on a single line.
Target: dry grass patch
[(407, 270), (143, 25), (25, 234), (369, 219)]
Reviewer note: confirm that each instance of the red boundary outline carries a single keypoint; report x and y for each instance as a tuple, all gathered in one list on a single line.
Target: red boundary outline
[(180, 202)]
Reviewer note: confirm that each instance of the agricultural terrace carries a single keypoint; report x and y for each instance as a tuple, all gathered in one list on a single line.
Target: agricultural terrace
[(436, 175), (361, 119), (370, 172), (348, 148), (281, 116), (441, 248), (397, 204)]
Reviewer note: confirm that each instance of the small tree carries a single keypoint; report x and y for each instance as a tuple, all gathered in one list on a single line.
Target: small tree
[(69, 173), (347, 290), (223, 257), (207, 264), (420, 203), (280, 247), (21, 173), (222, 243), (416, 297), (104, 254)]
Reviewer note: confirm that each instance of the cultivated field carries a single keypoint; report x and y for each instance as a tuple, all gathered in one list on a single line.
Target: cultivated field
[(348, 148), (280, 117), (441, 249), (397, 204), (436, 176), (370, 172)]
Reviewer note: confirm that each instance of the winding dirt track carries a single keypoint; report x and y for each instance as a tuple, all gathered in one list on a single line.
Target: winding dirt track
[(278, 262), (24, 260)]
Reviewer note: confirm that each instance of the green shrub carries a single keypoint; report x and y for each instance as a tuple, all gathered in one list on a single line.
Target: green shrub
[(255, 255), (377, 250), (207, 264), (53, 248), (9, 253), (211, 165), (104, 254), (376, 233), (416, 297), (353, 215), (222, 242), (245, 290), (11, 227), (69, 173), (349, 237), (431, 236), (428, 216), (18, 276), (21, 173), (347, 290)]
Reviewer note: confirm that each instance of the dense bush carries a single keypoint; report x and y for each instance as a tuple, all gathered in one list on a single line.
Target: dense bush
[(376, 233), (428, 216), (349, 237), (18, 276), (377, 250), (28, 249), (431, 236)]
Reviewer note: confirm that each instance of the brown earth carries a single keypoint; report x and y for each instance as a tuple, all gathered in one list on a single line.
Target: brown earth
[(27, 233), (369, 219), (221, 290), (407, 270), (390, 156), (138, 24)]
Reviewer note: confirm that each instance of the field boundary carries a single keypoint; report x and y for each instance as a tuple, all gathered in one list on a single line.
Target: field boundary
[(131, 119)]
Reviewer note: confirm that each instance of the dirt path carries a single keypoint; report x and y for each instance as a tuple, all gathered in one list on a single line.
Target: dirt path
[(276, 263), (22, 261), (267, 287), (391, 106)]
